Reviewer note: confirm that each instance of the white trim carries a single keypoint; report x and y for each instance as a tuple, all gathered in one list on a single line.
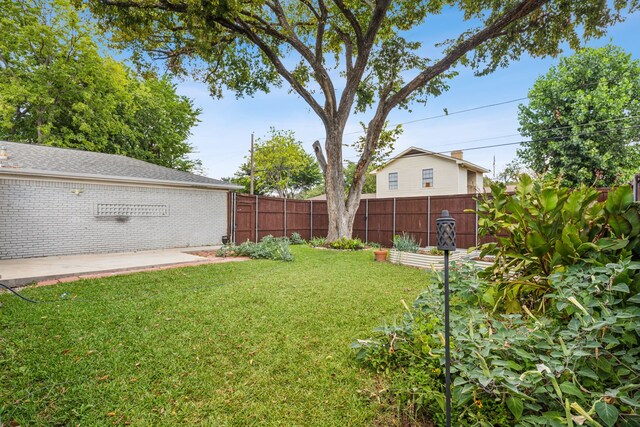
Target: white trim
[(423, 152), (12, 173)]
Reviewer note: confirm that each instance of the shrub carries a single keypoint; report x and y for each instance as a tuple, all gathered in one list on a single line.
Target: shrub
[(405, 243), (543, 228), (347, 244), (317, 241), (577, 363), (374, 245), (296, 239), (268, 248), (435, 251)]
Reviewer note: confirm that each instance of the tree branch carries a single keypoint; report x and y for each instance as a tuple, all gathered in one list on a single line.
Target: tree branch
[(317, 148), (364, 44), (160, 4), (244, 28), (355, 25), (322, 77), (348, 49), (492, 31)]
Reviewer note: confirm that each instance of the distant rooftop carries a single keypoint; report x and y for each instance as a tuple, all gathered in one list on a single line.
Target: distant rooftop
[(32, 159)]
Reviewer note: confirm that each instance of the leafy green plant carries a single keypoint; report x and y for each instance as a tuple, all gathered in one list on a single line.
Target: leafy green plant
[(345, 243), (405, 242), (296, 239), (373, 245), (578, 363), (543, 228), (275, 248), (317, 242)]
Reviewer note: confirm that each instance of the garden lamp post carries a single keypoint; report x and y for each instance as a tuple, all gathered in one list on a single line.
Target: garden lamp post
[(446, 238)]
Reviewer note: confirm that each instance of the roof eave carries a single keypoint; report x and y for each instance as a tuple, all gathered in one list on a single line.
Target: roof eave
[(116, 179)]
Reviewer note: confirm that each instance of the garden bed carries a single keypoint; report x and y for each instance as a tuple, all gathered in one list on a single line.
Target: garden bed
[(422, 260)]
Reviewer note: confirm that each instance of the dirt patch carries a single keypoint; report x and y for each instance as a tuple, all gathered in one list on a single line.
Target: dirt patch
[(485, 259)]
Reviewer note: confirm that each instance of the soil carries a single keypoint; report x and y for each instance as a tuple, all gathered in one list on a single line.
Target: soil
[(485, 259)]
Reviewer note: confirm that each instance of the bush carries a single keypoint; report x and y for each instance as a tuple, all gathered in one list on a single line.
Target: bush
[(296, 239), (577, 363), (347, 244), (275, 248), (318, 242), (543, 228), (405, 243)]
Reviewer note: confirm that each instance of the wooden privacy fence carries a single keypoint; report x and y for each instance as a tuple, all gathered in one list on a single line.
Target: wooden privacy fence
[(377, 220)]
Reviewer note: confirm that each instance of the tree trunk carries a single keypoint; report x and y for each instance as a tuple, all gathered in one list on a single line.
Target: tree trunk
[(335, 188), (342, 208)]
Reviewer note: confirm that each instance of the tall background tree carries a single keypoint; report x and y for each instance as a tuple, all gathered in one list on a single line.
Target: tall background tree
[(583, 118), (56, 89), (347, 56), (281, 166)]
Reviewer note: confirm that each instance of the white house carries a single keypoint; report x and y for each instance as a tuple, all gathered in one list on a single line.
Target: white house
[(419, 172)]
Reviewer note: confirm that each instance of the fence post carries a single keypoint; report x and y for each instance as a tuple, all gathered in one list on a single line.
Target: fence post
[(285, 216), (366, 220), (234, 213), (311, 222), (257, 219), (476, 222), (394, 218), (428, 220)]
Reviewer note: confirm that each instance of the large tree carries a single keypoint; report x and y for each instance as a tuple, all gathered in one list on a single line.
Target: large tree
[(346, 56), (583, 118), (281, 167), (56, 89)]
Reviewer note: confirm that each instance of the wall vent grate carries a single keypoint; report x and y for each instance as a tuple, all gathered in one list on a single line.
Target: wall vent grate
[(125, 210)]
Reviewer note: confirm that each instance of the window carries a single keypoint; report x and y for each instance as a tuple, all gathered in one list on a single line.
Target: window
[(427, 177), (393, 181)]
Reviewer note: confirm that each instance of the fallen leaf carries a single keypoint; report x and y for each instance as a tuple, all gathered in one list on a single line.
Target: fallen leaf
[(103, 378), (111, 414)]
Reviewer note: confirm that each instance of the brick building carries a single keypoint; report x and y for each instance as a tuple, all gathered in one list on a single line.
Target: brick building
[(57, 201)]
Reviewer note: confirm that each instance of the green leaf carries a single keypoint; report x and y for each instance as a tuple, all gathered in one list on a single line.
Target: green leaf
[(619, 225), (621, 287), (634, 299), (619, 200), (516, 406), (607, 413), (536, 243), (568, 387), (549, 199)]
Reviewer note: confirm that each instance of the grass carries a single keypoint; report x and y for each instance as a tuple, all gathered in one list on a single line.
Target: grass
[(237, 344)]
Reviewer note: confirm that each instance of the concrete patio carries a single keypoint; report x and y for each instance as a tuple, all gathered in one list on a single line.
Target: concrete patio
[(46, 270)]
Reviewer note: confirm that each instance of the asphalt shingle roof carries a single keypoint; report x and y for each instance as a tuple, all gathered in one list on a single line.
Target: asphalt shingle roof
[(77, 162)]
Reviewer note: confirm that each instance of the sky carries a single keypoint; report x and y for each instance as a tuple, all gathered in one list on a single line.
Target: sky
[(223, 137)]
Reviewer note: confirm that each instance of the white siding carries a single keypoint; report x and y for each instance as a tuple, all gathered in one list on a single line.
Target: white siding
[(446, 177)]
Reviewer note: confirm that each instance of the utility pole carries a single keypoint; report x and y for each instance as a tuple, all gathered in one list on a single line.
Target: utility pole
[(494, 168), (251, 185)]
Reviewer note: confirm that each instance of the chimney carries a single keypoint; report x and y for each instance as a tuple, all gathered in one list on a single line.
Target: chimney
[(457, 154)]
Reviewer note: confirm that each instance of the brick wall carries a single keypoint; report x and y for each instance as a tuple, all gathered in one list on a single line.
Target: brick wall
[(43, 218)]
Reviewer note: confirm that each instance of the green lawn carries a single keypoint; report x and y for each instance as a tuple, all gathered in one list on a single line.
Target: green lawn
[(250, 343)]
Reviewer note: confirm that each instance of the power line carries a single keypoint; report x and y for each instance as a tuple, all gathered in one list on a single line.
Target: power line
[(535, 141), (542, 130)]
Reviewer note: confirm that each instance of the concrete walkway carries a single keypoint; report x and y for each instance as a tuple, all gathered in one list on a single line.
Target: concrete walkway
[(45, 270)]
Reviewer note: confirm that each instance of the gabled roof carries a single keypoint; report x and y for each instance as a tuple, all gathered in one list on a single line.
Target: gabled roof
[(46, 161), (415, 151)]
